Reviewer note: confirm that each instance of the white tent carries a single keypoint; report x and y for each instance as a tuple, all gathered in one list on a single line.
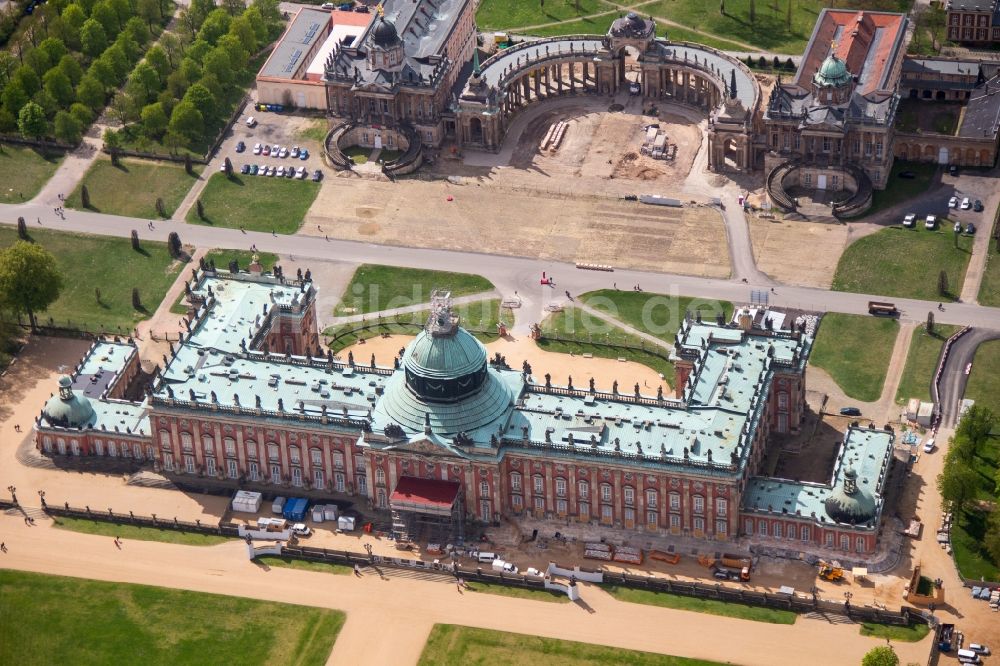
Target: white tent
[(246, 501)]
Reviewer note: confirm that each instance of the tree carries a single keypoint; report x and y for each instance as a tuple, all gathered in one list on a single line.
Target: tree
[(201, 209), (73, 19), (113, 142), (174, 244), (135, 240), (154, 119), (930, 323), (71, 68), (788, 16), (187, 121), (118, 60), (97, 295), (91, 92), (218, 63), (137, 30), (942, 283), (157, 58), (82, 113), (228, 164), (753, 11), (957, 483), (85, 196), (991, 540), (59, 86), (215, 26), (28, 78), (883, 655), (54, 48), (67, 128), (145, 77), (31, 121), (161, 209), (149, 11), (136, 301), (93, 38), (106, 16), (30, 280), (976, 424), (14, 97), (188, 167), (22, 229)]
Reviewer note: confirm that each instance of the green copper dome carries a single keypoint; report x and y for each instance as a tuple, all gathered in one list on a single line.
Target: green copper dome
[(832, 73), (850, 504), (68, 409), (444, 355)]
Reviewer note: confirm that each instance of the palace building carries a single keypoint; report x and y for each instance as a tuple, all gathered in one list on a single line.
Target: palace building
[(248, 399)]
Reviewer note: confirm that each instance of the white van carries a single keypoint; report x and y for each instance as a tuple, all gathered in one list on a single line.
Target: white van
[(486, 558), (967, 657)]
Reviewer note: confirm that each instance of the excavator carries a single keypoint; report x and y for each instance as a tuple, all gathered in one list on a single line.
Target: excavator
[(830, 572)]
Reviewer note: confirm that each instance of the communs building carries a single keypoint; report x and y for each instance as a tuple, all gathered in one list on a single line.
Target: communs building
[(247, 399)]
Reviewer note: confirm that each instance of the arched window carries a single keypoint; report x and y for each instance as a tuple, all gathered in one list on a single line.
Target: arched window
[(293, 455), (251, 448), (605, 492), (317, 456), (338, 460), (651, 497), (208, 445), (379, 476), (628, 494), (187, 443), (165, 439), (560, 487), (272, 451), (229, 444), (539, 483), (484, 489)]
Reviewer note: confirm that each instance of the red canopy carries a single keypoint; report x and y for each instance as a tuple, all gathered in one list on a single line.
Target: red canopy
[(429, 493)]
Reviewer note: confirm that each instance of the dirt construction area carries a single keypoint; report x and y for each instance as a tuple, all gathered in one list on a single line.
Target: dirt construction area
[(798, 252)]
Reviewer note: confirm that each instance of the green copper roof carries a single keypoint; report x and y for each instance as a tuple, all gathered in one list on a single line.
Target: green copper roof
[(832, 73), (444, 356), (70, 409)]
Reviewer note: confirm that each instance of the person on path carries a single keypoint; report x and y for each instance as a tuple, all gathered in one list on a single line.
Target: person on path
[(3, 547), (357, 571)]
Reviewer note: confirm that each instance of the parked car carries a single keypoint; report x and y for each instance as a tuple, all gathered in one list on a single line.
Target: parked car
[(345, 6), (275, 149), (981, 649), (301, 530), (977, 206), (970, 228), (953, 202), (908, 175), (957, 228), (930, 222), (929, 445), (328, 6), (240, 147), (257, 148), (294, 152), (222, 167), (290, 172), (850, 411), (361, 9), (265, 151), (245, 169), (304, 154), (283, 152), (251, 122), (317, 176), (281, 171), (953, 170), (910, 221), (966, 204), (301, 173), (254, 169)]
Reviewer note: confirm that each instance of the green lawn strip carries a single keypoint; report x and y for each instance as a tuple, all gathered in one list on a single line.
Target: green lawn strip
[(552, 596), (23, 172), (913, 633), (855, 350), (109, 264), (304, 565), (513, 14), (710, 606), (374, 288), (968, 534), (255, 203), (358, 154), (905, 263), (132, 188), (89, 622), (921, 362), (222, 259), (984, 380), (903, 189), (989, 288), (676, 34), (455, 645), (137, 532), (587, 26), (659, 315), (316, 130), (586, 329), (479, 317)]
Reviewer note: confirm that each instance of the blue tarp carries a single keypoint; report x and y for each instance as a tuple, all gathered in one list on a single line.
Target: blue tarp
[(295, 509)]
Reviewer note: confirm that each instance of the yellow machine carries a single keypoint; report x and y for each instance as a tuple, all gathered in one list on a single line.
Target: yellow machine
[(830, 572)]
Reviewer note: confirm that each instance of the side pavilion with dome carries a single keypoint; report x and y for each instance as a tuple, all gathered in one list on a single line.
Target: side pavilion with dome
[(249, 399)]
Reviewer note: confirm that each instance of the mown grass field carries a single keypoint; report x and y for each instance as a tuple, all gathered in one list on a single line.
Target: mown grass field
[(454, 645), (855, 350), (137, 532), (909, 634), (710, 606), (23, 172), (58, 620), (255, 203), (659, 315), (108, 264), (132, 188), (921, 362), (374, 288)]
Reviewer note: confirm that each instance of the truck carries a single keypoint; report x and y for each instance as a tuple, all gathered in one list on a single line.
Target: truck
[(295, 509), (946, 637), (882, 309)]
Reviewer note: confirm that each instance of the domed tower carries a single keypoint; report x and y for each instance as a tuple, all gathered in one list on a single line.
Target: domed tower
[(850, 504), (385, 47), (832, 83), (446, 384), (68, 409)]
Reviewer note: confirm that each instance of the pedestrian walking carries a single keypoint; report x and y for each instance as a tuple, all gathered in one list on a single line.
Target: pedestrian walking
[(17, 427), (25, 520), (39, 220), (357, 571), (3, 547)]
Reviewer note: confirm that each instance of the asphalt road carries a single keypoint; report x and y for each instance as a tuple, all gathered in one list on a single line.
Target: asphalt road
[(954, 377)]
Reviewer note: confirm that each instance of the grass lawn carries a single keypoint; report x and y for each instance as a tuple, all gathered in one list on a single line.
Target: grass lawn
[(586, 329), (551, 596), (105, 263), (304, 565), (971, 557), (909, 634), (855, 350), (23, 172), (91, 622), (132, 188), (905, 263), (657, 314), (675, 34), (512, 14), (10, 339), (921, 362), (479, 317), (586, 26), (989, 288), (984, 381), (315, 131), (137, 532), (374, 288), (454, 645), (256, 203), (222, 259), (710, 606), (902, 189)]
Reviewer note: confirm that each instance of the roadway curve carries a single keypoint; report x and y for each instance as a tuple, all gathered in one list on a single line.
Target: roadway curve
[(954, 378)]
